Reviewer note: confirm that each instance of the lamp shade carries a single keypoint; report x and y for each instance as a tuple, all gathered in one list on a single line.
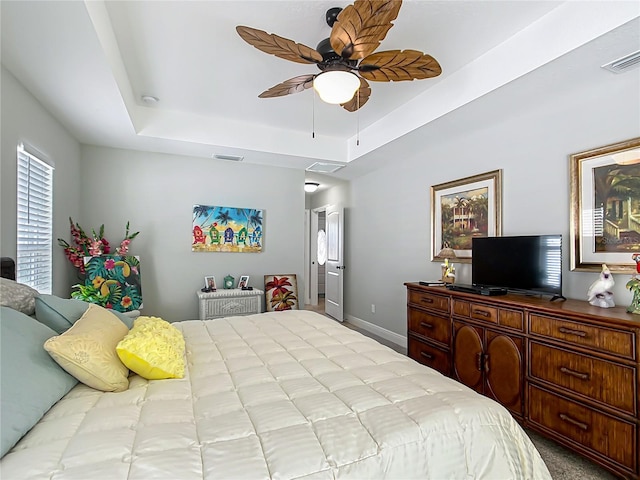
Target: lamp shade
[(311, 186), (447, 252), (336, 86)]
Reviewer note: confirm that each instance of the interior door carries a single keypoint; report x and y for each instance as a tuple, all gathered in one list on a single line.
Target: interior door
[(334, 272)]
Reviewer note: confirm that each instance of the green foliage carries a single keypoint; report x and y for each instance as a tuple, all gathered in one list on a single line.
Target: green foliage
[(112, 281)]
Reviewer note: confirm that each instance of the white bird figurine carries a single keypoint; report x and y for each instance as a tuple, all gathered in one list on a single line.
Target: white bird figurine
[(599, 293)]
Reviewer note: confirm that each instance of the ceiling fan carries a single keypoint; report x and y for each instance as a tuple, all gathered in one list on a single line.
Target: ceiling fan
[(347, 57)]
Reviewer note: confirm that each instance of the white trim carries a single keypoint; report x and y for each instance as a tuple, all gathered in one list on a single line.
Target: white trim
[(394, 337), (307, 256)]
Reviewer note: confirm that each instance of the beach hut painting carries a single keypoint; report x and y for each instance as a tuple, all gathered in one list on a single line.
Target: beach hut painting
[(226, 229)]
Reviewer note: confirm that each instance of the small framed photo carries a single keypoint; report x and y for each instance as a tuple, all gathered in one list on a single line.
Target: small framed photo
[(210, 283), (244, 281)]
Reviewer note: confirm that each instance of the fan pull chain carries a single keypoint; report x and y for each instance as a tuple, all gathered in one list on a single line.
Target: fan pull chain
[(358, 119), (313, 115)]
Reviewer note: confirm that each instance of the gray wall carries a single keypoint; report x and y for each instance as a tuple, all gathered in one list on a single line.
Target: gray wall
[(387, 212), (24, 120), (156, 193), (527, 130)]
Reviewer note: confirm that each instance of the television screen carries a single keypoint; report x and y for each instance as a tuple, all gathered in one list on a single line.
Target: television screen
[(531, 264)]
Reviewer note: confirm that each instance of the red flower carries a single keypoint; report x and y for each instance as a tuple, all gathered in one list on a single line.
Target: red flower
[(278, 285)]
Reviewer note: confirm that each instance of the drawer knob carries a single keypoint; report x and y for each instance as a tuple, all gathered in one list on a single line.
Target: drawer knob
[(426, 355), (426, 325), (569, 331), (566, 418), (573, 373)]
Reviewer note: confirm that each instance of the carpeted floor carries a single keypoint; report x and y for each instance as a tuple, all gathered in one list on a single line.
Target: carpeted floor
[(562, 463), (566, 465)]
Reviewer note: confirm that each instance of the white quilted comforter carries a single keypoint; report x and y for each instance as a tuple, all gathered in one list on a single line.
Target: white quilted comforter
[(279, 395)]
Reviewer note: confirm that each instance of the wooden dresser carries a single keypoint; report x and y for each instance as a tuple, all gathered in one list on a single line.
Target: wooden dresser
[(565, 369)]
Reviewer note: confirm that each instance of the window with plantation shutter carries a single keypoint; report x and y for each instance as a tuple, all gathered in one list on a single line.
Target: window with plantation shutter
[(35, 195)]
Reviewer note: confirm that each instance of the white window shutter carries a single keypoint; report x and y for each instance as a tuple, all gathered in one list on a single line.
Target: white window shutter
[(35, 232)]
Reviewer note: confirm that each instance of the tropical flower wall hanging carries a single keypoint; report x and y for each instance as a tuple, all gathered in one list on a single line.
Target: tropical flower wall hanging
[(112, 281), (281, 292)]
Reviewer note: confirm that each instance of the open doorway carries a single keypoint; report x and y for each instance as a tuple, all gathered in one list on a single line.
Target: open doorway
[(316, 266), (325, 261)]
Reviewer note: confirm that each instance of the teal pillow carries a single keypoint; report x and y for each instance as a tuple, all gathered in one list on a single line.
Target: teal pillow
[(61, 313), (31, 382)]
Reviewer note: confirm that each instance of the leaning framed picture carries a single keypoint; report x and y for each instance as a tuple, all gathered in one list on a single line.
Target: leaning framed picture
[(463, 209), (605, 207)]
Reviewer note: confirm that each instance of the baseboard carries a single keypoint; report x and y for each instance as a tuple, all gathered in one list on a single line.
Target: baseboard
[(396, 338)]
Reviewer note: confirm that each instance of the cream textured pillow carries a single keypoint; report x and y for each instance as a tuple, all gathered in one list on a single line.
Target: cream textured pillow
[(18, 296), (154, 349), (88, 350)]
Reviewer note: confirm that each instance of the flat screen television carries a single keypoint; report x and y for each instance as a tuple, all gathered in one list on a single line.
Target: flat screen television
[(529, 264)]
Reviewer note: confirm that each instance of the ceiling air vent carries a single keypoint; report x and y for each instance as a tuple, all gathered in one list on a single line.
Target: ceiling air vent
[(233, 158), (321, 167), (623, 64)]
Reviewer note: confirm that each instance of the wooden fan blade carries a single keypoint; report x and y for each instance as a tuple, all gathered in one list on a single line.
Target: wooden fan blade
[(278, 46), (399, 65), (360, 98), (293, 85), (361, 27)]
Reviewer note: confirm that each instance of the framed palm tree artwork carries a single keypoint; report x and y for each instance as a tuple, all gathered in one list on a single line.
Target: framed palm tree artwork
[(463, 209), (281, 292), (226, 229), (605, 207)]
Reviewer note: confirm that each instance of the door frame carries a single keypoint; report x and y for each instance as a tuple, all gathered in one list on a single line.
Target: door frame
[(311, 263)]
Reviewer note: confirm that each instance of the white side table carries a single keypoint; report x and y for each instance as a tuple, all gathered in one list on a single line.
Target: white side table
[(231, 302)]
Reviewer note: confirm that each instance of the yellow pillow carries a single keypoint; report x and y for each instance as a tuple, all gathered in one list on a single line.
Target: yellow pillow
[(154, 349), (88, 350)]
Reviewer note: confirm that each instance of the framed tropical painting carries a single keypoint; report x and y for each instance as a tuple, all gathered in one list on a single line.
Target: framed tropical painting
[(463, 209), (605, 207), (226, 229), (281, 292)]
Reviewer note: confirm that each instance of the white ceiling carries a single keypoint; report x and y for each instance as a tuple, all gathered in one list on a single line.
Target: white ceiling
[(89, 63)]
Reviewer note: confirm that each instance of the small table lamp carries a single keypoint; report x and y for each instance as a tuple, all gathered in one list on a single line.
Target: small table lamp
[(448, 270)]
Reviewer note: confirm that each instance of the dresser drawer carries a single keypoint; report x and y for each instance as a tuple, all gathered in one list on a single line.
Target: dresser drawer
[(432, 326), (429, 300), (598, 432), (499, 316), (606, 340), (430, 356), (600, 380)]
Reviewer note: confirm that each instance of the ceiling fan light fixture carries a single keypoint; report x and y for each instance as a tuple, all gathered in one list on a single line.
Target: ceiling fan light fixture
[(336, 86), (311, 187)]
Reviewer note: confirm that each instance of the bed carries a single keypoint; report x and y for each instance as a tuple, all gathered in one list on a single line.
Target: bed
[(288, 394)]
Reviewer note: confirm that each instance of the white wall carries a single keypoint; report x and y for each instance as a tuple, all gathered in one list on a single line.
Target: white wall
[(528, 136), (24, 120), (156, 193)]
